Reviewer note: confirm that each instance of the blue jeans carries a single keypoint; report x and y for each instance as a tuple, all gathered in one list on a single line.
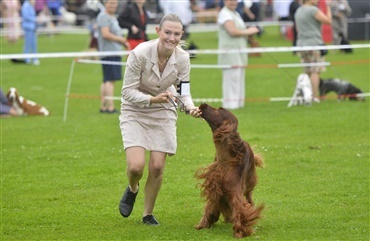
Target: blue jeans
[(30, 44)]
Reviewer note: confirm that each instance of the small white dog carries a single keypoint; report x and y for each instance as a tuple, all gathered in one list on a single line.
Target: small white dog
[(303, 91)]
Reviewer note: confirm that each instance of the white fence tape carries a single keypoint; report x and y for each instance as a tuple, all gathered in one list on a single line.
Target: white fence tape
[(209, 66), (205, 51), (218, 100)]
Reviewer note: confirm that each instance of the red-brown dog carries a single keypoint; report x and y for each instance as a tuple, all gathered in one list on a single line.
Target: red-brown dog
[(24, 106), (229, 181)]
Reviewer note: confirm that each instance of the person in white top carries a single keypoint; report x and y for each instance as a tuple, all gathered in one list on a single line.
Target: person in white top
[(281, 9), (233, 34), (180, 8)]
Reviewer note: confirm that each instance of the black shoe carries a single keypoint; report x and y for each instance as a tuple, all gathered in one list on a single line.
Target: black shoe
[(114, 111), (127, 202), (150, 220), (18, 61)]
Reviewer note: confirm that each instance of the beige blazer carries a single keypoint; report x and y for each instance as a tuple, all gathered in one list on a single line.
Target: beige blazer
[(142, 78)]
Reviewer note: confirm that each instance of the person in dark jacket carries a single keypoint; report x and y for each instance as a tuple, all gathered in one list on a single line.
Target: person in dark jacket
[(294, 5), (135, 18)]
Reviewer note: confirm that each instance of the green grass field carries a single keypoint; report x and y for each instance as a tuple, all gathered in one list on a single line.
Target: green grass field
[(63, 180)]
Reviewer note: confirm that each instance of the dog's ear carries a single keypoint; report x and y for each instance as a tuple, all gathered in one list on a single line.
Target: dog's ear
[(224, 131), (352, 91), (230, 125), (230, 118), (9, 97)]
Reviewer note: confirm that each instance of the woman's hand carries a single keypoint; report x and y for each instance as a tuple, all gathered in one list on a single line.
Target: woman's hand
[(252, 30), (134, 29), (124, 42), (127, 45), (162, 97), (195, 112)]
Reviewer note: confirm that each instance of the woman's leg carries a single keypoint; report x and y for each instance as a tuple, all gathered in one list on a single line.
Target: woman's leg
[(109, 92), (230, 88), (34, 46), (27, 44), (315, 82), (135, 158), (242, 87), (102, 97), (154, 181)]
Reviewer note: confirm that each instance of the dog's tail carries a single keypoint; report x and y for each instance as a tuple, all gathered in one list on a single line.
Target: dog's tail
[(255, 212), (258, 161), (248, 219)]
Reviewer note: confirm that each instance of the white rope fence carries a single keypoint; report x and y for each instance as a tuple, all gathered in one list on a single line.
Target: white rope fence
[(208, 66), (219, 100), (79, 55), (197, 100), (205, 51)]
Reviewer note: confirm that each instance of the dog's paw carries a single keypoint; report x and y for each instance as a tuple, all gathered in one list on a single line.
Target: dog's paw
[(198, 227), (201, 226)]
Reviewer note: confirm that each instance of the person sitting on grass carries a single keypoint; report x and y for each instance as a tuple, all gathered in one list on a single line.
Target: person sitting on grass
[(5, 109)]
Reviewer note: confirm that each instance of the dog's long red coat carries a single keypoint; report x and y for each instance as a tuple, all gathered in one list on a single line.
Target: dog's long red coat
[(230, 179)]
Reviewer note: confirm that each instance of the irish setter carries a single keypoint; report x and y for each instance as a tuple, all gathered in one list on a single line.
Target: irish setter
[(229, 181)]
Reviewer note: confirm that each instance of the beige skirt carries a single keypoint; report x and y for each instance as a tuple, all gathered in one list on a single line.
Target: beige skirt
[(154, 129)]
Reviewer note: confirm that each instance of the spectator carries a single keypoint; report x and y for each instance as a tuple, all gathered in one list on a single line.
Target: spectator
[(109, 39), (211, 4), (92, 8), (232, 34), (208, 10), (29, 27), (5, 109), (44, 19), (292, 9), (254, 17), (244, 10), (135, 18), (183, 9), (40, 6), (10, 12), (309, 19), (241, 9), (340, 10), (282, 12), (255, 9), (54, 7), (148, 113), (247, 15)]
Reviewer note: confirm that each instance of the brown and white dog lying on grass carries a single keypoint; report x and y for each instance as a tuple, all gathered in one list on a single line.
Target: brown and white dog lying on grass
[(24, 106)]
